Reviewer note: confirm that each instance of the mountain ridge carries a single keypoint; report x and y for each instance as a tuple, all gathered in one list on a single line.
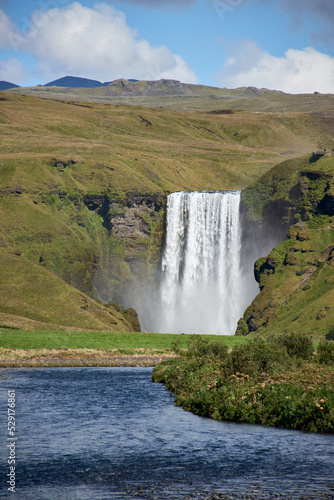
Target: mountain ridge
[(4, 85), (80, 82), (75, 82), (173, 94)]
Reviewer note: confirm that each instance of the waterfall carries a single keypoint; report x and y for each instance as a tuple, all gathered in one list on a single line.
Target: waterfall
[(201, 288)]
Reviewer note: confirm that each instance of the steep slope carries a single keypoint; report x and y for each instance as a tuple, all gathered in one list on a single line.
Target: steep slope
[(297, 278), (34, 298)]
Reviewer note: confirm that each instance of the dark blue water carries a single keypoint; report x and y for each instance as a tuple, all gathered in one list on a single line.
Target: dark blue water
[(110, 433)]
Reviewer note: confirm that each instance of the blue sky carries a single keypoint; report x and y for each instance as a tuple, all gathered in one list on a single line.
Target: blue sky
[(278, 44)]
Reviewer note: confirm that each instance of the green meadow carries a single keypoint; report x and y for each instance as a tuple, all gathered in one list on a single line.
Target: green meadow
[(30, 339)]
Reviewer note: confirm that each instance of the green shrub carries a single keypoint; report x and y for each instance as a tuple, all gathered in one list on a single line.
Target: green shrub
[(297, 345), (240, 360), (199, 347), (257, 356), (325, 353), (330, 334), (267, 354)]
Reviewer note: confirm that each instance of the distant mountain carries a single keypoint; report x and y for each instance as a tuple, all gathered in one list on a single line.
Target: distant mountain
[(77, 82), (173, 94), (7, 85), (74, 82)]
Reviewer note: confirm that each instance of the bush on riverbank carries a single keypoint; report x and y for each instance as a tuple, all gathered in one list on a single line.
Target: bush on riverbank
[(277, 381)]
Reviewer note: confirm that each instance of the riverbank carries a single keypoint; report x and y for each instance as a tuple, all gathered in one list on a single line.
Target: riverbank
[(30, 348), (39, 358), (279, 382)]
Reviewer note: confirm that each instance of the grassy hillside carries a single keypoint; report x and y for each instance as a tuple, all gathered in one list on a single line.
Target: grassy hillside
[(82, 188), (297, 278), (122, 147), (32, 297)]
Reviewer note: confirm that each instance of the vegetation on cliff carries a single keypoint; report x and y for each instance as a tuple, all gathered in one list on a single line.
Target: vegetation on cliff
[(294, 190), (277, 381), (296, 279)]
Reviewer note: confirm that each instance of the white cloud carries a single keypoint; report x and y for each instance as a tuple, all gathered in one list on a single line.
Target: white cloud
[(12, 71), (6, 30), (298, 71), (97, 43)]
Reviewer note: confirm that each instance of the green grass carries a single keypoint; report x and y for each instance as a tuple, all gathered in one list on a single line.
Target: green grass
[(17, 339), (296, 184), (184, 150), (300, 291)]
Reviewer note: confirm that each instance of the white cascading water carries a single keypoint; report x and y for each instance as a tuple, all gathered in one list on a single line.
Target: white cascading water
[(201, 286)]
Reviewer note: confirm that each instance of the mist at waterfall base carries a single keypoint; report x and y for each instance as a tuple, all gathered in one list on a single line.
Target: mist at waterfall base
[(206, 281)]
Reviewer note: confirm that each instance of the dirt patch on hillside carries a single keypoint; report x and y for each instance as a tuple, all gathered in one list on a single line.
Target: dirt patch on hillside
[(19, 358)]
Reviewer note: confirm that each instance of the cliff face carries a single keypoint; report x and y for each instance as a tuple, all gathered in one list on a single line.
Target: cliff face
[(131, 245), (294, 202)]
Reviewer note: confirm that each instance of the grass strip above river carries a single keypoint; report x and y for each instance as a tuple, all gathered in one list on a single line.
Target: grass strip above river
[(20, 348), (32, 339)]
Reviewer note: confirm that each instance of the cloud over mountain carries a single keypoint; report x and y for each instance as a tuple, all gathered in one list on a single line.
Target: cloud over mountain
[(13, 71), (6, 29), (96, 43), (298, 71)]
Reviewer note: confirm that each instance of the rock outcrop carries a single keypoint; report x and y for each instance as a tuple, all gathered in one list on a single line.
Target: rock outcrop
[(132, 246)]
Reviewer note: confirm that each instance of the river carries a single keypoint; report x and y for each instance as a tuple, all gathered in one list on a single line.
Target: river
[(110, 433)]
